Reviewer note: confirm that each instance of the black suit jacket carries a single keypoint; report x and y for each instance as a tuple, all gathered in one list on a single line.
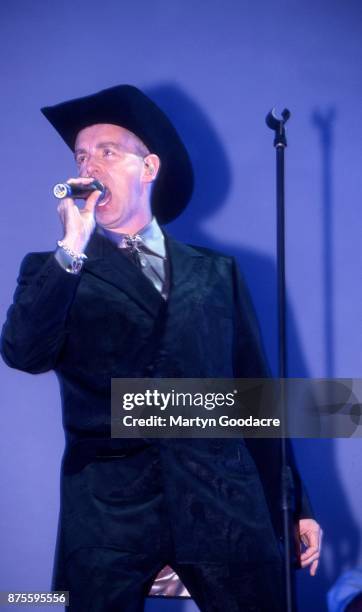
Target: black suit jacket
[(111, 322)]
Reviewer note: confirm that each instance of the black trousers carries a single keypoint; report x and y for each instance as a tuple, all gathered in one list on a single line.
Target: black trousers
[(125, 523), (107, 580)]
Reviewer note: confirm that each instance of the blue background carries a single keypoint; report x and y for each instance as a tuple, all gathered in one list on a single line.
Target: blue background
[(216, 67)]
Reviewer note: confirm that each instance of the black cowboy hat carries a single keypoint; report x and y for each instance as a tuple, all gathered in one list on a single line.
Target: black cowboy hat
[(128, 107)]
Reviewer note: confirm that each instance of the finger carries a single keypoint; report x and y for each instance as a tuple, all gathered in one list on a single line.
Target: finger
[(310, 560), (92, 200), (62, 208), (313, 568), (67, 206), (304, 539), (82, 180), (68, 211), (311, 550), (311, 539), (61, 213)]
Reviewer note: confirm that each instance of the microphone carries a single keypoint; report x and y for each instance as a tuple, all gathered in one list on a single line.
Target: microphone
[(66, 190)]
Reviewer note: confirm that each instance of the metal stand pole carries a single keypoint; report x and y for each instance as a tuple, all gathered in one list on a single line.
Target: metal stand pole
[(287, 489)]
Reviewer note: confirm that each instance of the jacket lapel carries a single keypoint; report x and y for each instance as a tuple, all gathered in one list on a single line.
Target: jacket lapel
[(188, 270), (109, 264)]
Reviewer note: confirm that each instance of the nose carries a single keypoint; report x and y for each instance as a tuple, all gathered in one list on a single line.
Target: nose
[(89, 168)]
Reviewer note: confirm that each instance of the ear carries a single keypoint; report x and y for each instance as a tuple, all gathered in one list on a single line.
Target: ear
[(151, 167)]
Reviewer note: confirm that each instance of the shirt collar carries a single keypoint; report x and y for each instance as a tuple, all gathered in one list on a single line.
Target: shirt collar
[(150, 234)]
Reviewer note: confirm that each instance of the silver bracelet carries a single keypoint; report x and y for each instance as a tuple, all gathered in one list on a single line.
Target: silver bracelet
[(70, 252), (75, 264)]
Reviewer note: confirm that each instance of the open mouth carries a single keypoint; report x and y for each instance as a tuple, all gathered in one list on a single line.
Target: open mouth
[(105, 198)]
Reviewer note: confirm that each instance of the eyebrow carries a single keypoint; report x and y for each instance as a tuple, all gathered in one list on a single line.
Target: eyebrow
[(101, 145)]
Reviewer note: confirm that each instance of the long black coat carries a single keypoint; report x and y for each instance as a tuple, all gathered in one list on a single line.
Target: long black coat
[(111, 322)]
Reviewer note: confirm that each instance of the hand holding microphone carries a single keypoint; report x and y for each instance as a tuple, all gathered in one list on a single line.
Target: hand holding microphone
[(76, 190), (78, 223)]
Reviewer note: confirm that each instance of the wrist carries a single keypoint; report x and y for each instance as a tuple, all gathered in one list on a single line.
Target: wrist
[(76, 244)]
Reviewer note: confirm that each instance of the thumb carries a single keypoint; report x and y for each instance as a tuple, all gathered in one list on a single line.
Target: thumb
[(93, 200)]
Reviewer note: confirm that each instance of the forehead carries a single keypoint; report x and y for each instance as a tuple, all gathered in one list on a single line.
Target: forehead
[(103, 132)]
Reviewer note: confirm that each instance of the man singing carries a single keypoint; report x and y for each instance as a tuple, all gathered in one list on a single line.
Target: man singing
[(120, 298)]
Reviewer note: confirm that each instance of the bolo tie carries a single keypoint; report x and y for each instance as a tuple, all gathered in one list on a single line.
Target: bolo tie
[(133, 246), (135, 250)]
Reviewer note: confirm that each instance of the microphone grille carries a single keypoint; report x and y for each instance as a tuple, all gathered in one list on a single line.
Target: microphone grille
[(61, 190)]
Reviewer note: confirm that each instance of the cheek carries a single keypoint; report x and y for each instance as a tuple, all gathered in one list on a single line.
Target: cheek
[(125, 179), (128, 184)]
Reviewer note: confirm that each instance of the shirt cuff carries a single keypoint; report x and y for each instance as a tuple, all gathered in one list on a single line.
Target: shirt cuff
[(66, 261)]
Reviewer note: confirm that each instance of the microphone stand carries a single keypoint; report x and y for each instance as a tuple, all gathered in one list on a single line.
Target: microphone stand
[(287, 487)]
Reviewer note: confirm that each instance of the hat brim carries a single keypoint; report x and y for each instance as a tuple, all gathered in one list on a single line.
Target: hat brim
[(128, 107)]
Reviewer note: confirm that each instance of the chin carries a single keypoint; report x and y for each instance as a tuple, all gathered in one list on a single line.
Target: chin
[(109, 224)]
